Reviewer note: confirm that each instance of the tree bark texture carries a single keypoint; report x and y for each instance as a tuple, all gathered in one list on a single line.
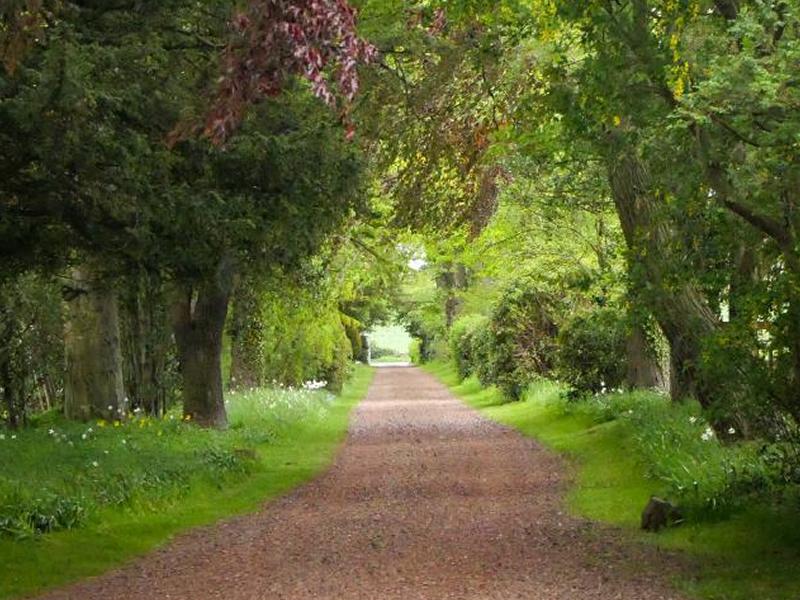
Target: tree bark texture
[(643, 368), (199, 314), (93, 383), (678, 306)]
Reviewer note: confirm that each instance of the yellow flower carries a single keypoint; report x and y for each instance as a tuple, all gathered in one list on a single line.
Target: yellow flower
[(117, 424), (101, 423)]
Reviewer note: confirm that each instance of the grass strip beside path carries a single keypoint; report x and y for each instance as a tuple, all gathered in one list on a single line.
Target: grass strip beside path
[(302, 449), (755, 554)]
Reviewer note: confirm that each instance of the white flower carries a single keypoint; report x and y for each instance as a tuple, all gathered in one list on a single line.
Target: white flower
[(731, 431), (707, 434), (95, 464), (2, 436), (14, 436), (692, 420), (105, 451), (90, 430), (124, 441), (110, 407), (83, 436), (51, 431)]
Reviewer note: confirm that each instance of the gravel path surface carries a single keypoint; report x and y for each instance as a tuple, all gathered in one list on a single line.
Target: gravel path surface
[(426, 500)]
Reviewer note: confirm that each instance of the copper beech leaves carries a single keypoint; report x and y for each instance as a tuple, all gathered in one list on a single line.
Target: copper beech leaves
[(22, 23), (274, 40)]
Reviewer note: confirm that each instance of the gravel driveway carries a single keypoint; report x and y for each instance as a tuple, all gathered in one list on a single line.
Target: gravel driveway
[(426, 500)]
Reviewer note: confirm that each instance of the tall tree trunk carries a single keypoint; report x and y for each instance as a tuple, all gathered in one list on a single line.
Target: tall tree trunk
[(678, 306), (643, 368), (742, 278), (198, 318), (93, 383), (147, 336)]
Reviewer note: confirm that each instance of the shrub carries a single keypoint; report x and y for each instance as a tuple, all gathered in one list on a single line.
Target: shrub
[(482, 344), (376, 352), (521, 343), (21, 517), (415, 351), (591, 351), (463, 342)]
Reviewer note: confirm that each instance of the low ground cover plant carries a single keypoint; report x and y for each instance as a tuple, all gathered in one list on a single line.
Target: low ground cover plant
[(57, 474), (708, 475)]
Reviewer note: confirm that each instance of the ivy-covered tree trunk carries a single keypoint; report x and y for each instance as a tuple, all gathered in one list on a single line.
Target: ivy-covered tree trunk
[(198, 318), (93, 383), (679, 307), (643, 368)]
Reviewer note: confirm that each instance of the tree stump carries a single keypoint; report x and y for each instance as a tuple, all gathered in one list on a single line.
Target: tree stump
[(660, 513)]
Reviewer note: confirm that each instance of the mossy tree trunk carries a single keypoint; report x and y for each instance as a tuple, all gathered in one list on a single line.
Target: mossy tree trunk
[(643, 368), (198, 317), (93, 383), (678, 306)]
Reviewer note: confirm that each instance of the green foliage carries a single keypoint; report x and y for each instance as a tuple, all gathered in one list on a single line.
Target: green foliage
[(591, 351), (415, 352), (463, 343), (706, 476), (288, 333), (32, 353), (523, 331)]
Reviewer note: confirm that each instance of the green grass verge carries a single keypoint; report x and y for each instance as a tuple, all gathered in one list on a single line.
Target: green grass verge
[(292, 437), (754, 554)]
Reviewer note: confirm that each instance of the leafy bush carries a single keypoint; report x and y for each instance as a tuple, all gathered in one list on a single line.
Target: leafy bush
[(22, 517), (591, 351), (521, 341), (482, 344), (464, 343), (415, 351), (376, 352)]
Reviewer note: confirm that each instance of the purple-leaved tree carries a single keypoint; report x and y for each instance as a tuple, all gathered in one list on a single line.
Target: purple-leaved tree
[(274, 40)]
